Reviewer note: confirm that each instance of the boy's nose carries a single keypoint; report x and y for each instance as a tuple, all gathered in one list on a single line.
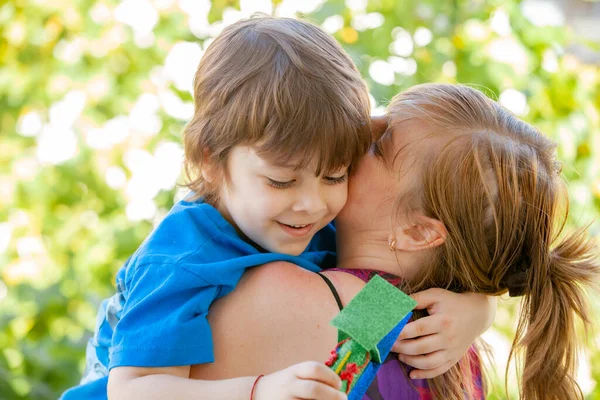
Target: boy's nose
[(312, 203)]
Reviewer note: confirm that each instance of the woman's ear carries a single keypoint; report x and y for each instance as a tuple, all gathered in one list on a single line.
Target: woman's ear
[(420, 234)]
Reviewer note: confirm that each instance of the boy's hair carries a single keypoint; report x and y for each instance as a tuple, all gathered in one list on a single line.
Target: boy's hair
[(496, 186), (284, 87)]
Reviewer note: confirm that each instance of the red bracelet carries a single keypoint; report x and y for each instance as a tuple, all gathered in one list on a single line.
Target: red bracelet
[(254, 386)]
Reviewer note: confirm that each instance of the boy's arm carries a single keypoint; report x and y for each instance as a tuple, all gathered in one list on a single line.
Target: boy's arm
[(307, 380), (172, 382)]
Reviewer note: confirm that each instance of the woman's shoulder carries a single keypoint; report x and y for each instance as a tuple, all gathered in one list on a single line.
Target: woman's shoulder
[(291, 283), (277, 308), (288, 288)]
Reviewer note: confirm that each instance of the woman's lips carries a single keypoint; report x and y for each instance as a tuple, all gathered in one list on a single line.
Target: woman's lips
[(296, 232)]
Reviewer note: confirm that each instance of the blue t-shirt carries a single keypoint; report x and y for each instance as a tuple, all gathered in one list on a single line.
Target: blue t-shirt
[(158, 317)]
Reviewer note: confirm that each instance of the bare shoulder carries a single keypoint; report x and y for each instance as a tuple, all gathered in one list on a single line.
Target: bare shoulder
[(288, 298), (283, 273), (282, 283), (278, 315), (290, 279)]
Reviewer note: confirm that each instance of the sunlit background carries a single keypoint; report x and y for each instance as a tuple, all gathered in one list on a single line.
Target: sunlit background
[(94, 96)]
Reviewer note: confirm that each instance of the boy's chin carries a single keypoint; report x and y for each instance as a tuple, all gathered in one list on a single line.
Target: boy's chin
[(289, 249)]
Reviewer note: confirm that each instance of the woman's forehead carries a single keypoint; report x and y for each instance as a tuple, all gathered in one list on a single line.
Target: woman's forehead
[(409, 131), (418, 137)]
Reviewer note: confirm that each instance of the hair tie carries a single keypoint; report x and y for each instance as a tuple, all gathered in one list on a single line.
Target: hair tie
[(517, 282)]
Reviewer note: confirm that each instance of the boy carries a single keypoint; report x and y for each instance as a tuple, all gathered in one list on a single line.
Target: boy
[(281, 117)]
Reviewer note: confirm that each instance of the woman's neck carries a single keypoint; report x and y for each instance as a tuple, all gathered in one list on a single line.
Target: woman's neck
[(370, 250)]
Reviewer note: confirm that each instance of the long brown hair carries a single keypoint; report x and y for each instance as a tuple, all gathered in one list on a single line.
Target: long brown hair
[(283, 86), (495, 184)]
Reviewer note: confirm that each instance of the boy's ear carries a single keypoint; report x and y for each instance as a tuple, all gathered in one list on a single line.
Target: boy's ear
[(420, 234)]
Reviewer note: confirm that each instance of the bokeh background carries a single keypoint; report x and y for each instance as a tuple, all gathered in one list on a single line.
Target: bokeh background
[(94, 96)]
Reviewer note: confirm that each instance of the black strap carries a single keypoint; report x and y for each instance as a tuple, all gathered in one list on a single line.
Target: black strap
[(335, 293)]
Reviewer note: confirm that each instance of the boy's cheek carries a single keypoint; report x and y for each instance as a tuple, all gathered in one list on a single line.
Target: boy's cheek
[(340, 198), (269, 201)]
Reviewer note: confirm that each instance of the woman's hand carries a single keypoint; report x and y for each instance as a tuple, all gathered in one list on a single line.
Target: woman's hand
[(435, 343), (307, 380)]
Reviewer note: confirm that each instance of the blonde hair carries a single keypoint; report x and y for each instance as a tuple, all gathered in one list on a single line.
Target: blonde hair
[(496, 186), (283, 86)]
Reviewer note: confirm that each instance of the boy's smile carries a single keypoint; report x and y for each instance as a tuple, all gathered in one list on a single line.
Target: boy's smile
[(279, 209), (297, 230)]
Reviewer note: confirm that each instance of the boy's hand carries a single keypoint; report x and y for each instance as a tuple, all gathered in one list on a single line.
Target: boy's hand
[(435, 343), (307, 380)]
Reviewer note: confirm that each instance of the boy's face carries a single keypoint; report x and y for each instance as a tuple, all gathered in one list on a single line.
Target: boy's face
[(278, 208)]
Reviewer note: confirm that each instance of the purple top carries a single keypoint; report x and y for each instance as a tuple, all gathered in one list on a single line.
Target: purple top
[(392, 381)]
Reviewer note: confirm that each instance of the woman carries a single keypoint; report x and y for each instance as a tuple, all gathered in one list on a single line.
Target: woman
[(458, 194)]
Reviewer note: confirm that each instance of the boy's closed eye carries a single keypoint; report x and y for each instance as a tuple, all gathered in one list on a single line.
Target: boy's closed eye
[(334, 180), (329, 180), (279, 184)]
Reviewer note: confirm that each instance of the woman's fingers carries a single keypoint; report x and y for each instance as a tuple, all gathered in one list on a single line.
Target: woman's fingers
[(427, 298), (425, 362), (423, 345), (431, 373), (421, 327)]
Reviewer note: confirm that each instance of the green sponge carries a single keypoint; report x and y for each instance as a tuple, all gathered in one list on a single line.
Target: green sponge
[(372, 314)]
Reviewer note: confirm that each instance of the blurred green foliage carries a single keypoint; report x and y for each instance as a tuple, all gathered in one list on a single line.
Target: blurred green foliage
[(92, 111)]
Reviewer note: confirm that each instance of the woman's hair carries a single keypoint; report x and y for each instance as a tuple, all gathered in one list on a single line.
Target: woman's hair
[(495, 184), (284, 87)]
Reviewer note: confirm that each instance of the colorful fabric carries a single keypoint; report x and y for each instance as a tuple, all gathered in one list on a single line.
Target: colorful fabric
[(392, 381)]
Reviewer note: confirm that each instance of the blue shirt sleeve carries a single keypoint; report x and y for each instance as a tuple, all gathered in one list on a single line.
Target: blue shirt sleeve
[(164, 319), (192, 258)]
